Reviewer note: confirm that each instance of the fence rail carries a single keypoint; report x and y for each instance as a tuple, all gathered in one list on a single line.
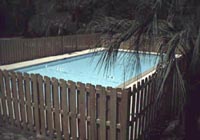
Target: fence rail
[(17, 50)]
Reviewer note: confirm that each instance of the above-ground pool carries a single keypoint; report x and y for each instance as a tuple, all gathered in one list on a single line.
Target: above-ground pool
[(84, 68)]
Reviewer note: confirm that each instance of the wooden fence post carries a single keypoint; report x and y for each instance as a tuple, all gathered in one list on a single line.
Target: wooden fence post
[(102, 112), (41, 104), (82, 110), (29, 99), (65, 108), (72, 107), (8, 96), (92, 111), (56, 107), (3, 95), (49, 104), (21, 99), (35, 102), (15, 98), (112, 113), (124, 116)]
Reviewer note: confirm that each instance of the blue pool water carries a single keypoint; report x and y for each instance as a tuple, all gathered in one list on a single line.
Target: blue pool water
[(84, 68)]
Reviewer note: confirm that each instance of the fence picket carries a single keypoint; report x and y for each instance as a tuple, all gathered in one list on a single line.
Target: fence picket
[(81, 108), (149, 102), (22, 98), (124, 118), (142, 108), (9, 96), (56, 108), (152, 99), (113, 113), (15, 99), (72, 105), (3, 95), (137, 113), (91, 112), (65, 108), (102, 112), (35, 102), (29, 101), (48, 99), (155, 104), (145, 105), (41, 104), (132, 130)]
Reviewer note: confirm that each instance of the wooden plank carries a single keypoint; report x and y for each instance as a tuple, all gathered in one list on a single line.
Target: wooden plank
[(145, 104), (113, 113), (29, 101), (3, 95), (36, 103), (133, 114), (48, 99), (141, 108), (9, 96), (65, 108), (15, 98), (82, 111), (137, 112), (72, 102), (21, 99), (102, 112), (41, 104), (152, 100), (149, 102), (124, 118), (56, 107), (91, 113)]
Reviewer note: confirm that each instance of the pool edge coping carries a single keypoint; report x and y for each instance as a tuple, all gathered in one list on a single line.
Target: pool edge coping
[(47, 59), (39, 61)]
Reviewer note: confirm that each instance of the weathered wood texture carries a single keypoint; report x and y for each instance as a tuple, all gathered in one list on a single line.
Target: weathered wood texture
[(68, 110), (17, 50), (63, 109)]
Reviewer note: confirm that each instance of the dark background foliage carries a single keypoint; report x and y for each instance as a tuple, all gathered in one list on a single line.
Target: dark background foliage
[(32, 18)]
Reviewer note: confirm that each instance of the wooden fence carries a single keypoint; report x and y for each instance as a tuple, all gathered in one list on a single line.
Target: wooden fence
[(17, 50), (65, 110), (142, 111), (68, 110)]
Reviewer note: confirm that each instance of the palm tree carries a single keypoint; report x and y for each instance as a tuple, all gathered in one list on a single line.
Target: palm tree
[(174, 27)]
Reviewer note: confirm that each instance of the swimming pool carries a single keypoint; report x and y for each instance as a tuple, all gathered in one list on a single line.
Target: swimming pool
[(84, 68)]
